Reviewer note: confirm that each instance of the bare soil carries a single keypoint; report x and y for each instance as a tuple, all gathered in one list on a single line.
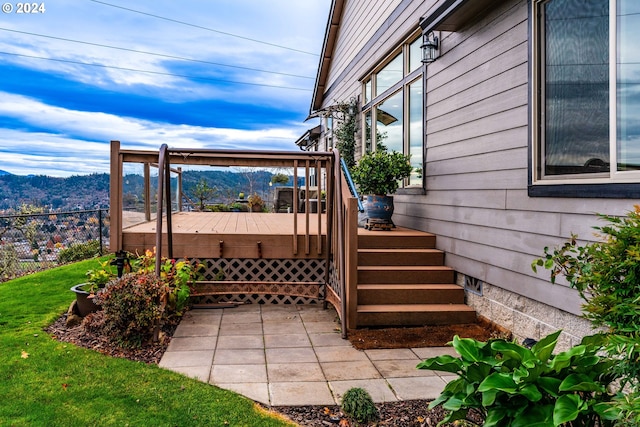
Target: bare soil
[(413, 413)]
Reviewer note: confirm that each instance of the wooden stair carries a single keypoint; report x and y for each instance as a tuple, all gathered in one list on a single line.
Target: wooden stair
[(402, 281)]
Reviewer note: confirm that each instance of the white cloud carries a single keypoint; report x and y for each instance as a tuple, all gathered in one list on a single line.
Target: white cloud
[(78, 142)]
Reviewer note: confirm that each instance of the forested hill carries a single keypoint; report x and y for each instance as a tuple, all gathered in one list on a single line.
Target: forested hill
[(92, 191), (75, 192)]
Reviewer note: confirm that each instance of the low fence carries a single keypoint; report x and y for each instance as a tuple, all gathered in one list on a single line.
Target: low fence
[(35, 242)]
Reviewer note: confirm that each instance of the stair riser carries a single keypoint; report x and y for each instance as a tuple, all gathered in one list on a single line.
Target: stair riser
[(410, 296), (407, 276), (395, 258), (389, 241), (415, 318)]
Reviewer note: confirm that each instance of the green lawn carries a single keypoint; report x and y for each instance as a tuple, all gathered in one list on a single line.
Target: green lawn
[(44, 382)]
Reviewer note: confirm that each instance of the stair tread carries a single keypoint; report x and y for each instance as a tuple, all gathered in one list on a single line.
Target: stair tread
[(400, 250), (403, 267), (377, 308), (408, 286)]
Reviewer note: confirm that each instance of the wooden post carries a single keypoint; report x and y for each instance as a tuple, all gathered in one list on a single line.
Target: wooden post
[(147, 192), (115, 198), (351, 261)]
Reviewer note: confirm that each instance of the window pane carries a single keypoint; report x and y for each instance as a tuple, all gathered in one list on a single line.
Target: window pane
[(576, 87), (415, 55), (389, 123), (367, 91), (415, 131), (367, 131), (628, 85), (389, 75)]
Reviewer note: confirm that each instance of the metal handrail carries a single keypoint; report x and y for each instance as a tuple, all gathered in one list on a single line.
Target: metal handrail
[(164, 179), (352, 185)]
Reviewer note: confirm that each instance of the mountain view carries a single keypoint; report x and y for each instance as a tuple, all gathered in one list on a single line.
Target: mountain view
[(92, 191)]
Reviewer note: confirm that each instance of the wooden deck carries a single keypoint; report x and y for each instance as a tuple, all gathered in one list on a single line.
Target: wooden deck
[(243, 235)]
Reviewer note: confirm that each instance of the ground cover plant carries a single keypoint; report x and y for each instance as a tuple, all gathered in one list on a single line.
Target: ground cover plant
[(596, 383), (44, 382)]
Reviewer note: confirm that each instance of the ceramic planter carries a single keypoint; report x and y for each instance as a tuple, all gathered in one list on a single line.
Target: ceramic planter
[(380, 208), (84, 303)]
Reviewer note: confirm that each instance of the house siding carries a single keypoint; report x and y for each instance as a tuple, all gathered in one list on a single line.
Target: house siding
[(477, 124)]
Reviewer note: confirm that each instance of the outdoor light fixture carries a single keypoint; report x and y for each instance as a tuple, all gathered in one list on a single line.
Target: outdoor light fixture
[(429, 47)]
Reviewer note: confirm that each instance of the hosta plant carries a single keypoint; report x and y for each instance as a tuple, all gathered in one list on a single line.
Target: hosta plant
[(512, 385)]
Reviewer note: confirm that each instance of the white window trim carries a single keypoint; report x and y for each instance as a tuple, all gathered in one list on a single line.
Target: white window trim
[(614, 175)]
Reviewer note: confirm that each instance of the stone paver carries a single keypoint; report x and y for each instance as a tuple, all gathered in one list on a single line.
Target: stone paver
[(300, 393), (417, 387), (294, 355)]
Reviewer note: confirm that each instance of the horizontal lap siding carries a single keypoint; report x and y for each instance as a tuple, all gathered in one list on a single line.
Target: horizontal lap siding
[(368, 32), (477, 164)]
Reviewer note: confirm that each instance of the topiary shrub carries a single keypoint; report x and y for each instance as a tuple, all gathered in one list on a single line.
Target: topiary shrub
[(134, 307), (357, 404)]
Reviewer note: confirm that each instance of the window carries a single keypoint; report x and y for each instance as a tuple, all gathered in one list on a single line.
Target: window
[(392, 112), (587, 91)]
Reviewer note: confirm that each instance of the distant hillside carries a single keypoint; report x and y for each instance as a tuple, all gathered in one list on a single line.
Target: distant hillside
[(76, 192), (2, 173), (92, 191)]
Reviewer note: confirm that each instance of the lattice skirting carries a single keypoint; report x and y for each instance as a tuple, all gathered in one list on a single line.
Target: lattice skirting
[(263, 281), (255, 299)]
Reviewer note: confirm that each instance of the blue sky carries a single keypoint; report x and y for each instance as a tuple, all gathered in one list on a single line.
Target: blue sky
[(189, 73)]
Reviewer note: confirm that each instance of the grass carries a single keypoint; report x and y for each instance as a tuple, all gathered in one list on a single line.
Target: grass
[(46, 382)]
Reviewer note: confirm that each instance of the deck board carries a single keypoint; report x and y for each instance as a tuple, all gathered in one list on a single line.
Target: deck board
[(199, 234)]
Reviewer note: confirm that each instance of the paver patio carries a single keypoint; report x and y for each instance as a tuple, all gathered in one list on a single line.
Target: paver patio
[(294, 355)]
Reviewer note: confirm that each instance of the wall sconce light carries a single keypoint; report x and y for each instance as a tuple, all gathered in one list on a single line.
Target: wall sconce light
[(430, 47)]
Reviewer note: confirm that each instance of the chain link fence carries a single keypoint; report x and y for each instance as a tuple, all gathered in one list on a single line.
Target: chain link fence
[(35, 242)]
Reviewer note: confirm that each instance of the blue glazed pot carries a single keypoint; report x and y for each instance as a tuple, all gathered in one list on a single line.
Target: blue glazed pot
[(380, 208)]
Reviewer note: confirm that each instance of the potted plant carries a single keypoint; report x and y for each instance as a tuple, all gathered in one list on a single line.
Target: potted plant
[(255, 203), (377, 174), (85, 292)]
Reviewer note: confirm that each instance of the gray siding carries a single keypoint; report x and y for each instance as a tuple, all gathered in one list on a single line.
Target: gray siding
[(477, 140), (477, 145)]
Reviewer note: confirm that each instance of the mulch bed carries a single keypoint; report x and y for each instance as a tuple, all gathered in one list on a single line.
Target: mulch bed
[(412, 413)]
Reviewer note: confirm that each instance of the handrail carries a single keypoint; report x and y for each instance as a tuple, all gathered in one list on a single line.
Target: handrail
[(351, 184), (341, 244)]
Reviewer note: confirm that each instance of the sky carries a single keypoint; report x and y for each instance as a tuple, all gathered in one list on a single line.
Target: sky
[(189, 73)]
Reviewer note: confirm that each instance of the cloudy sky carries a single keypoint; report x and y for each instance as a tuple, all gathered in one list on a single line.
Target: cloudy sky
[(188, 73)]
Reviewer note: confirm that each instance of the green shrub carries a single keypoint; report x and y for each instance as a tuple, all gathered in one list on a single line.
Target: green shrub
[(606, 273), (134, 307), (378, 172), (357, 404), (511, 385), (79, 252)]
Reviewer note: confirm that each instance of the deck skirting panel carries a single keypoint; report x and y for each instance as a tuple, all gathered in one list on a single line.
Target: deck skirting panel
[(262, 281)]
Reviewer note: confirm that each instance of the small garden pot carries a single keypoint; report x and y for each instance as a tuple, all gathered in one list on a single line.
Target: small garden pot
[(380, 208), (84, 303)]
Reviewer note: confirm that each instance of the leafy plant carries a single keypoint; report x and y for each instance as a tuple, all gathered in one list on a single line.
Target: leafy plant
[(605, 273), (133, 307), (175, 274), (511, 385), (79, 252), (345, 133), (280, 178), (203, 192), (357, 404), (255, 200), (378, 172)]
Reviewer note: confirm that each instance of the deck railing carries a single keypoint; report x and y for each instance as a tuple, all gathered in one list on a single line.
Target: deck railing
[(340, 213)]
